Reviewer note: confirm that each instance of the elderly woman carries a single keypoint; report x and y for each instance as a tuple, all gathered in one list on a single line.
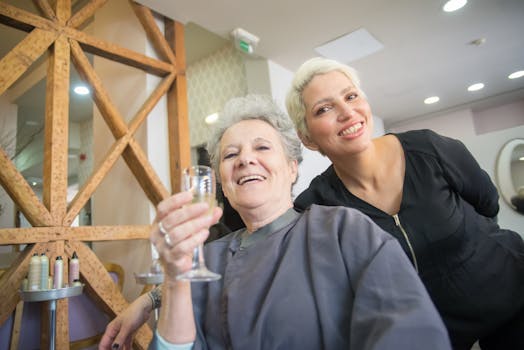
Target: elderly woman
[(427, 191), (327, 278)]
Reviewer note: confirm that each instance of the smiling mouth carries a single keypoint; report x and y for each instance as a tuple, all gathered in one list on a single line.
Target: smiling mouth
[(351, 130), (250, 178)]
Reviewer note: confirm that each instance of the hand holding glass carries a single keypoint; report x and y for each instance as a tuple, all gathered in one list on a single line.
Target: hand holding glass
[(201, 181)]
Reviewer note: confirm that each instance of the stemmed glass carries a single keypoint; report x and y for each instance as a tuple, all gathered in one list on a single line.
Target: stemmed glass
[(200, 180)]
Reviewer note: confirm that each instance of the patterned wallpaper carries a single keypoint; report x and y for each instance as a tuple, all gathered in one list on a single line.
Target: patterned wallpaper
[(212, 81)]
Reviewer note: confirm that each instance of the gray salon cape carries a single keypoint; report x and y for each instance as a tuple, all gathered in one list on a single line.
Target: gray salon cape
[(328, 278)]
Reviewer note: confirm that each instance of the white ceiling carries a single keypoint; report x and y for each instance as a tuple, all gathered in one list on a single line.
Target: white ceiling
[(426, 51)]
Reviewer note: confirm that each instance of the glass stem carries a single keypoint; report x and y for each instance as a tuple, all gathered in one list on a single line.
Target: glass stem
[(198, 257)]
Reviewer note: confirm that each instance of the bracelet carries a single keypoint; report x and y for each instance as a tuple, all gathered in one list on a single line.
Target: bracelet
[(156, 297)]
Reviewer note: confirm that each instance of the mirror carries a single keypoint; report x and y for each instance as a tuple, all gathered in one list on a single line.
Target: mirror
[(510, 174)]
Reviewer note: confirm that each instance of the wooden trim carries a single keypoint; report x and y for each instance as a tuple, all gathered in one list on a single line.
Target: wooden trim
[(56, 131), (46, 9), (79, 233), (107, 109), (153, 33), (23, 55), (119, 54), (95, 179), (145, 174), (19, 190), (20, 19), (151, 102), (177, 109), (85, 13), (17, 324), (11, 280), (62, 11), (57, 30)]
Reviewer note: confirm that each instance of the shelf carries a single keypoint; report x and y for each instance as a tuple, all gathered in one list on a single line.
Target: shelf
[(51, 294)]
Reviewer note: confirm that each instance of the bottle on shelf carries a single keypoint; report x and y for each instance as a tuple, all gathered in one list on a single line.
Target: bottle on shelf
[(34, 272), (74, 269), (58, 273), (44, 271)]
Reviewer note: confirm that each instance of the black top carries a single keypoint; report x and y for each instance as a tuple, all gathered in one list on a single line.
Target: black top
[(473, 270)]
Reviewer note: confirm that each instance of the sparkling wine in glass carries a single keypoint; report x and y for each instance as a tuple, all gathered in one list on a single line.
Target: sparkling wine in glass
[(201, 181)]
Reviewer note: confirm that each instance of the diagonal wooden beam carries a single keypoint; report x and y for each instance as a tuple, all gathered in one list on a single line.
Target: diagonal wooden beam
[(107, 109), (20, 19), (11, 280), (116, 150), (56, 131), (119, 54), (96, 177), (20, 58), (101, 288), (85, 13), (145, 16), (151, 102), (144, 173), (21, 193), (46, 9)]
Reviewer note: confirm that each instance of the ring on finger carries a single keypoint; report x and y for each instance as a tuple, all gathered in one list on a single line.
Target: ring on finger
[(162, 229), (168, 240)]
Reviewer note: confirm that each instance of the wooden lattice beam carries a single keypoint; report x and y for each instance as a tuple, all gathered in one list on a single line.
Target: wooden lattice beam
[(57, 32)]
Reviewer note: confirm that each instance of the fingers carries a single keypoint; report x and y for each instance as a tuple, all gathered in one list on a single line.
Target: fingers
[(181, 226), (171, 203), (110, 334), (181, 222)]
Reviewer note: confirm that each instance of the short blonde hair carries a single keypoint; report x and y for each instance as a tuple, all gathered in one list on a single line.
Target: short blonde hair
[(305, 73)]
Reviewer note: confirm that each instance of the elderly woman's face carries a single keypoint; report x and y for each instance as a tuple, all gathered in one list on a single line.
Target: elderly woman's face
[(254, 170), (338, 116)]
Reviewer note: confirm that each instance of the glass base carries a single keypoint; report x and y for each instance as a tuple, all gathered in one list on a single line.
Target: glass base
[(199, 275)]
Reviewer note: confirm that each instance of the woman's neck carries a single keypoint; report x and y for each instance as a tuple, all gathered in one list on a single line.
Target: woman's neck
[(363, 169), (255, 218)]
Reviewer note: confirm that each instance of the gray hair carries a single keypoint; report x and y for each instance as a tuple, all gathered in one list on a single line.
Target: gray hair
[(255, 107), (305, 73)]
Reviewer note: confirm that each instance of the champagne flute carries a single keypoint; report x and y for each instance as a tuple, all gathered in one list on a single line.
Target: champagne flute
[(200, 180)]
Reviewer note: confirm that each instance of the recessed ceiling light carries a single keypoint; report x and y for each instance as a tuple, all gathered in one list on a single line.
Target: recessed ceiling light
[(431, 100), (454, 5), (521, 158), (212, 118), (81, 90), (350, 47), (476, 87), (517, 74)]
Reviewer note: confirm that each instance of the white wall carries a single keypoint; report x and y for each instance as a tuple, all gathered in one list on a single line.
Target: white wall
[(484, 147)]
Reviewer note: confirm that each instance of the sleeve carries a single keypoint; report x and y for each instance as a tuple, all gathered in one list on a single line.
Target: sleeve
[(392, 309), (159, 343), (465, 175)]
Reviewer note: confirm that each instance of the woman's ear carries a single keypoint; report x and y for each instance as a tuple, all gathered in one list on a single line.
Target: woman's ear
[(294, 171), (308, 142)]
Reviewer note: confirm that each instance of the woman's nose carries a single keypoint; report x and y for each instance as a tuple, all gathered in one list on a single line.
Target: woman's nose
[(245, 158), (345, 111)]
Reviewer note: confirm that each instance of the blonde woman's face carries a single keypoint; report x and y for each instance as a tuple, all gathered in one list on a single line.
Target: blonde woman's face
[(338, 116)]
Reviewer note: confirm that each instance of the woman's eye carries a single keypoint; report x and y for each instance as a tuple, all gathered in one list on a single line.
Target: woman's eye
[(262, 148), (228, 155), (352, 96), (321, 110)]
